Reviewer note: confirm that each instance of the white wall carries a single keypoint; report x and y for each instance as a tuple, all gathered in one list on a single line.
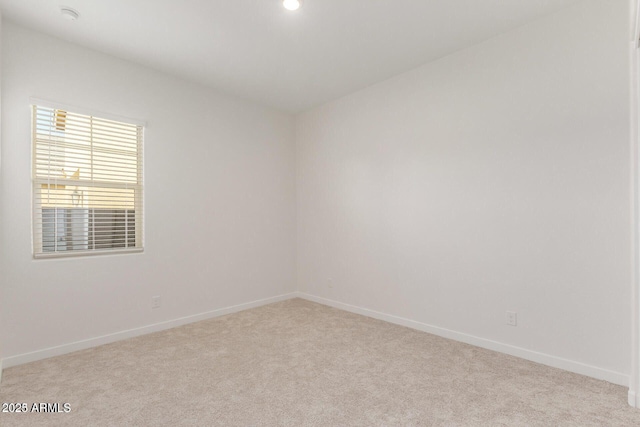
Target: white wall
[(493, 179), (219, 200), (1, 236)]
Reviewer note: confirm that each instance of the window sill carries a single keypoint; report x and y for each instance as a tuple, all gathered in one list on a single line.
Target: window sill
[(76, 254)]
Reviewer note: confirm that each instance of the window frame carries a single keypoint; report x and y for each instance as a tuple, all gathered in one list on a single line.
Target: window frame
[(36, 207)]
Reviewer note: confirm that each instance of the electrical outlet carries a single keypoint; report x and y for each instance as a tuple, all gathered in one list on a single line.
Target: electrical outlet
[(155, 302), (512, 318)]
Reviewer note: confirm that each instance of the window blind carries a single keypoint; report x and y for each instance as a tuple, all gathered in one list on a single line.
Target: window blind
[(87, 184)]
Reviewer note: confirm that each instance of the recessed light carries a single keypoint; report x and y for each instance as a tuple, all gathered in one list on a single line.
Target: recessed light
[(68, 13), (291, 4)]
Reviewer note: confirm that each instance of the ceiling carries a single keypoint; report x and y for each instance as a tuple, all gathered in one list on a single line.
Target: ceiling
[(259, 51)]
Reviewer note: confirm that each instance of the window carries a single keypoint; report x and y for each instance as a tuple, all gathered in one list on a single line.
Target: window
[(87, 184)]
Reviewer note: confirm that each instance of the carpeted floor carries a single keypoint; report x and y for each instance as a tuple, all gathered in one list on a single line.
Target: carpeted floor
[(297, 363)]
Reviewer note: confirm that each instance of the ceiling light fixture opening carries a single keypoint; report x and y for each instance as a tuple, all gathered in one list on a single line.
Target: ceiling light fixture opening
[(68, 13), (292, 4)]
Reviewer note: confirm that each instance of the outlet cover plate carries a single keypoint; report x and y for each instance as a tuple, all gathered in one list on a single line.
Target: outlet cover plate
[(512, 318)]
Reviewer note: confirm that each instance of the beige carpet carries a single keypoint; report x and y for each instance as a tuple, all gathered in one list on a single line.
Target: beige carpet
[(297, 363)]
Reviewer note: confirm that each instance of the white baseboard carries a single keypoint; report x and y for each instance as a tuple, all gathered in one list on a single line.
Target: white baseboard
[(106, 339), (632, 399), (534, 356), (545, 359)]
